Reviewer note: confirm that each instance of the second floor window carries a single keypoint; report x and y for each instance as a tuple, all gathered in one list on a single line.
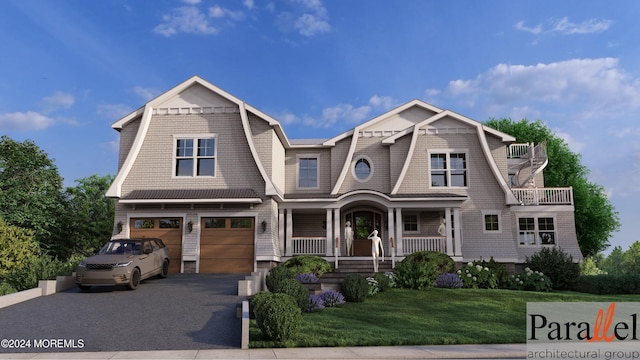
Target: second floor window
[(195, 157), (448, 169), (308, 172)]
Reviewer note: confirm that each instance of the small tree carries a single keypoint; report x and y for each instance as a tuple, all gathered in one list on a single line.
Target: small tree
[(559, 266), (16, 247)]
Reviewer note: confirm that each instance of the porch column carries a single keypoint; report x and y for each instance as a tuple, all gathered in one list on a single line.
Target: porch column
[(336, 230), (391, 226), (281, 230), (399, 246), (449, 240), (289, 233), (329, 234), (457, 232)]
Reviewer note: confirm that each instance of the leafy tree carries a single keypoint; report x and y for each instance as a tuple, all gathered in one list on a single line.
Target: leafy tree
[(16, 246), (613, 264), (88, 219), (631, 259), (596, 218), (30, 188)]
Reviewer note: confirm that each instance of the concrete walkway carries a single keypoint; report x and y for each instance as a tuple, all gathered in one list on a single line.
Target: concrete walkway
[(507, 351)]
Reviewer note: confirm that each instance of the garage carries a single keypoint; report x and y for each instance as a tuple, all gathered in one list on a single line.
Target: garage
[(227, 245), (167, 229)]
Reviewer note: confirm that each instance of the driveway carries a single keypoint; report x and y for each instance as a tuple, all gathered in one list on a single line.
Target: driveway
[(183, 311)]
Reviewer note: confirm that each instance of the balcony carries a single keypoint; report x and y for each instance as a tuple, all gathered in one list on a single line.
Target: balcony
[(544, 196)]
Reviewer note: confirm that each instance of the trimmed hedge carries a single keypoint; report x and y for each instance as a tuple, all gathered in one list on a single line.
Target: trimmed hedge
[(609, 284), (355, 288), (558, 266), (276, 276), (278, 317), (420, 270), (308, 264)]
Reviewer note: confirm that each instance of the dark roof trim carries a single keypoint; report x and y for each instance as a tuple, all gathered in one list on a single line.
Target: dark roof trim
[(192, 196)]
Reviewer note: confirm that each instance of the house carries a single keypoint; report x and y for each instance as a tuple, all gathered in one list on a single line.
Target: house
[(225, 188)]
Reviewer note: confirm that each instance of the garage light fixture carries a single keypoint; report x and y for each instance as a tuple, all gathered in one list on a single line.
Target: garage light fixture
[(264, 225), (190, 226), (119, 227)]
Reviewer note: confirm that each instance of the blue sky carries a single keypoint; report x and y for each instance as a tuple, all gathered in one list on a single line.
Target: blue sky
[(69, 69)]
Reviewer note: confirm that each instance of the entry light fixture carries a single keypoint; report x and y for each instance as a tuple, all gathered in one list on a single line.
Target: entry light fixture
[(264, 225), (190, 226)]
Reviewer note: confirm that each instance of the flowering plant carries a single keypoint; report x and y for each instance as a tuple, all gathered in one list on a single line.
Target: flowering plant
[(332, 298), (449, 281), (373, 286), (476, 276), (316, 303), (530, 280)]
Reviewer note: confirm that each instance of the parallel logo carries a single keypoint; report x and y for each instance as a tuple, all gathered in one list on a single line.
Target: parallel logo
[(583, 330)]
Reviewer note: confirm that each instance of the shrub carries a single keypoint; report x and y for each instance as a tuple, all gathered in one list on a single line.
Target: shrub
[(449, 281), (307, 278), (256, 301), (420, 270), (499, 271), (355, 288), (276, 276), (392, 278), (315, 303), (332, 298), (308, 264), (34, 269), (530, 280), (557, 265), (6, 289), (16, 245), (476, 276), (609, 284), (384, 283), (296, 290), (278, 317), (372, 286)]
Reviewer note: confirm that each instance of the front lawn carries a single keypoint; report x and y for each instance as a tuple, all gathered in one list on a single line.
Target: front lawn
[(431, 317)]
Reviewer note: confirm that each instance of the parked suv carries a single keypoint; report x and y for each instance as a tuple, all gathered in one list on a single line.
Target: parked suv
[(124, 262)]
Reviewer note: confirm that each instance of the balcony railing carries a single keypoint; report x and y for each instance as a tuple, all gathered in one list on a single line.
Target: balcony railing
[(309, 245), (544, 196), (413, 244)]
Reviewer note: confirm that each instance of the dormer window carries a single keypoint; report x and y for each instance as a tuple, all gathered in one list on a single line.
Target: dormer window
[(195, 156)]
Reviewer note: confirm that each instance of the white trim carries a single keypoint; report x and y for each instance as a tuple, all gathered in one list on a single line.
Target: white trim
[(307, 156), (353, 168), (190, 201), (536, 230), (483, 221), (195, 138), (448, 169)]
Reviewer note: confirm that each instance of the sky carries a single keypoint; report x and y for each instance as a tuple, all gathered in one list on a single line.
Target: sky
[(69, 69)]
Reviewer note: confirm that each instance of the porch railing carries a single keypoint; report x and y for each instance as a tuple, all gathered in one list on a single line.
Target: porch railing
[(418, 243), (544, 196), (309, 245)]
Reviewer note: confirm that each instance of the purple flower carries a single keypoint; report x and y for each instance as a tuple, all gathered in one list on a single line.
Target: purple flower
[(307, 278), (332, 298), (450, 281), (315, 303)]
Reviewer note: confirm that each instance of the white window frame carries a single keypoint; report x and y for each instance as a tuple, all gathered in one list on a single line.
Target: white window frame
[(486, 213), (448, 170), (417, 215), (307, 156), (353, 168), (537, 231), (194, 156)]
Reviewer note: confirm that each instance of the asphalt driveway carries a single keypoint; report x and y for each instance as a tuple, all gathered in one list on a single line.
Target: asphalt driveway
[(183, 311)]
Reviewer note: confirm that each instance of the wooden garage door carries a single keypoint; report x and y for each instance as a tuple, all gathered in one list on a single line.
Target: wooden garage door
[(226, 245), (167, 229)]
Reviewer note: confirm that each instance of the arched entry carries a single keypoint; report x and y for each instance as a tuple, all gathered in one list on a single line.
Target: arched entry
[(363, 223)]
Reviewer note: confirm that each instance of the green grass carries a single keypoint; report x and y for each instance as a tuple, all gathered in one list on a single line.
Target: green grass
[(431, 317)]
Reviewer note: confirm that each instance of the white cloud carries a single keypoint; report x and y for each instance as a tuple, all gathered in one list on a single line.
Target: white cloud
[(575, 145), (58, 100), (25, 121), (192, 2), (382, 102), (566, 27), (219, 12), (310, 25), (248, 4), (146, 93), (308, 18), (114, 111), (188, 19)]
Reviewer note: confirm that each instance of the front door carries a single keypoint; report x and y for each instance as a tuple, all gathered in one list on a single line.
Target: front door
[(364, 222)]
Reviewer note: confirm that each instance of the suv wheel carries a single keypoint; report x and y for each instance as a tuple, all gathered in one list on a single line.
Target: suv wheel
[(135, 279), (165, 269)]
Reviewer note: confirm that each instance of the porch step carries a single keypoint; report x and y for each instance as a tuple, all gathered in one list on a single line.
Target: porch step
[(345, 267)]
